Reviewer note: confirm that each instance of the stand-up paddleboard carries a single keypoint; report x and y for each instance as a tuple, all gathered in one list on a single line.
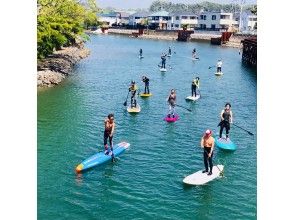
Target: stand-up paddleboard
[(225, 144), (171, 118), (200, 178), (145, 95), (219, 73), (162, 69), (134, 110), (195, 58), (193, 98), (169, 55), (101, 158), (141, 57)]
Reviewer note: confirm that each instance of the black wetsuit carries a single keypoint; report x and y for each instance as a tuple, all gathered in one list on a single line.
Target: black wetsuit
[(146, 81), (107, 133), (133, 97), (169, 51), (163, 59), (141, 52), (225, 124), (193, 87)]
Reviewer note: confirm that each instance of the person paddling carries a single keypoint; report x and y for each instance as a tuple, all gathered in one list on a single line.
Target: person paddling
[(207, 143), (108, 134), (226, 116), (141, 52), (194, 53), (169, 51), (133, 89), (195, 86), (219, 66), (146, 81), (163, 60), (171, 99)]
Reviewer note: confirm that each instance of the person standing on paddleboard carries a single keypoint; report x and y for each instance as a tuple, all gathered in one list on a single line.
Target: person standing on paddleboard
[(141, 52), (195, 86), (171, 99), (133, 89), (226, 118), (163, 60), (108, 134), (146, 81), (207, 143), (219, 66), (169, 51), (194, 53)]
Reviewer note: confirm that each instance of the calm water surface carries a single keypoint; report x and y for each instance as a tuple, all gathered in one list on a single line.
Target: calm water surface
[(146, 182)]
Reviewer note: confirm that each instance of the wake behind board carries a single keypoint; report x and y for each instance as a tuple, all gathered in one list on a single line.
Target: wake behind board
[(219, 73), (193, 98), (162, 69), (225, 144), (101, 158), (200, 178), (171, 118), (141, 57), (133, 109), (145, 95)]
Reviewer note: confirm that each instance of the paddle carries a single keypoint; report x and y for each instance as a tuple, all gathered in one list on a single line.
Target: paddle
[(183, 107), (125, 103), (243, 129), (211, 67)]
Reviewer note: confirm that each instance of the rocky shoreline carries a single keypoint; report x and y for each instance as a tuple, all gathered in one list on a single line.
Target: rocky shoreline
[(53, 69)]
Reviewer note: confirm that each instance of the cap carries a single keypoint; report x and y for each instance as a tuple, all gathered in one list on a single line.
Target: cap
[(208, 132)]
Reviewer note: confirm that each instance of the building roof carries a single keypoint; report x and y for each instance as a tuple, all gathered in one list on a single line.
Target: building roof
[(141, 14), (115, 14), (159, 13)]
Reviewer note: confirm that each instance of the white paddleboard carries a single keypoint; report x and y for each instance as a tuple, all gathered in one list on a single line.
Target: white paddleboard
[(162, 70), (133, 109), (169, 55), (193, 98), (219, 73), (200, 178), (141, 57)]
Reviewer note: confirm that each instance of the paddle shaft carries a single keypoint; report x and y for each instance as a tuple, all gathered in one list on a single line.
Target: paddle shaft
[(183, 107), (243, 129), (125, 103)]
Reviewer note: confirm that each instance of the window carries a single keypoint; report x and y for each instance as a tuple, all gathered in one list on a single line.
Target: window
[(213, 17), (172, 25), (225, 17), (184, 17), (177, 18), (202, 17), (213, 26), (176, 25), (137, 17), (193, 17), (203, 26)]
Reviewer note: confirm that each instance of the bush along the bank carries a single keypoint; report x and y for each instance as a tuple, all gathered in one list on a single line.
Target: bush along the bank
[(61, 22)]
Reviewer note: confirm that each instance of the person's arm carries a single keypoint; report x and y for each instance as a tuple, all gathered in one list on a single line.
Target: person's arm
[(202, 142), (221, 115), (212, 148), (231, 118), (112, 130)]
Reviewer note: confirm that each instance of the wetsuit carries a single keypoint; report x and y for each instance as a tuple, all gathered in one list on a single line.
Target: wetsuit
[(225, 123), (107, 133), (141, 52), (146, 81), (169, 51), (133, 91), (193, 87), (172, 103), (163, 59), (194, 53)]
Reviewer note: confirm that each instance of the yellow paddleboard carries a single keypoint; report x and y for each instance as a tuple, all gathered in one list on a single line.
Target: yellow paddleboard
[(145, 94), (134, 110)]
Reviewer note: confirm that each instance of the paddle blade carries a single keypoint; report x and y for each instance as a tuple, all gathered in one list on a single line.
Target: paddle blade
[(125, 103)]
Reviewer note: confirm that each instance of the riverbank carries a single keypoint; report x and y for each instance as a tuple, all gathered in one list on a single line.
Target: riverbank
[(53, 69), (172, 35)]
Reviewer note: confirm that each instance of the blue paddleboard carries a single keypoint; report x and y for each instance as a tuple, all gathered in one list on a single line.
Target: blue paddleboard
[(225, 144), (101, 158)]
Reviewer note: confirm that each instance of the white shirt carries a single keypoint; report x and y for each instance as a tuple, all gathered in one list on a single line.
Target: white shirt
[(219, 64)]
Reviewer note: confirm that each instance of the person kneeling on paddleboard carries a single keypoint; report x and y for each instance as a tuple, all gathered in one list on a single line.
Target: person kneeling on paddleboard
[(171, 99), (226, 118), (133, 89), (219, 66), (195, 86), (207, 143), (146, 81), (108, 134)]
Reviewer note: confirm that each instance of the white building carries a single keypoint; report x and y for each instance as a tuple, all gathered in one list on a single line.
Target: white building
[(248, 22), (114, 18), (158, 20), (137, 18), (180, 19), (216, 21)]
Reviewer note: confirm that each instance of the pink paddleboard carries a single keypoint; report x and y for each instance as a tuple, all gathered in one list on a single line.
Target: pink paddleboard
[(171, 119)]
